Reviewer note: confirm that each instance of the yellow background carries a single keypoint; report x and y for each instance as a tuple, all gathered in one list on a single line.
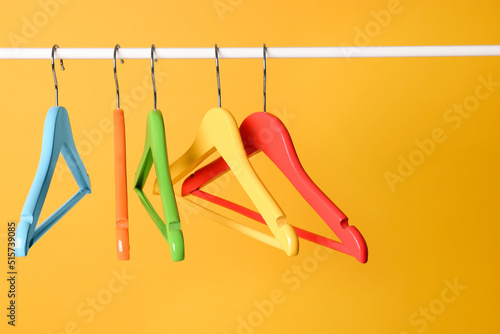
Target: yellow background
[(351, 121)]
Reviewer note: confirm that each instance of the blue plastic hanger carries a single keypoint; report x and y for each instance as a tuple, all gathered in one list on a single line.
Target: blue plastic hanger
[(57, 138)]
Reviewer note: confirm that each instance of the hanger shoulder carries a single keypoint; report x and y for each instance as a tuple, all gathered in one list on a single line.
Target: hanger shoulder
[(217, 130), (70, 153), (40, 185), (279, 148), (281, 151), (146, 162), (216, 124), (47, 162)]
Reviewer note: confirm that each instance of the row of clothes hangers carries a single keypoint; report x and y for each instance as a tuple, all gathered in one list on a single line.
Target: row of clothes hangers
[(219, 132)]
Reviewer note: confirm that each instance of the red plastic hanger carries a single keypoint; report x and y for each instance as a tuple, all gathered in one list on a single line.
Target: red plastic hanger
[(265, 132)]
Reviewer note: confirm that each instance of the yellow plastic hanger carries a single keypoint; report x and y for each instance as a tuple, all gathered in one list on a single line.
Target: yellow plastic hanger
[(219, 132)]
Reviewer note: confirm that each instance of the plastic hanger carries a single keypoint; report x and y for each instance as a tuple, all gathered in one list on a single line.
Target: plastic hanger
[(155, 151), (122, 235), (57, 139), (219, 131), (265, 132)]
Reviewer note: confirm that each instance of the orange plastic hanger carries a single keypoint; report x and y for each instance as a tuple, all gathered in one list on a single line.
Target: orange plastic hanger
[(122, 224)]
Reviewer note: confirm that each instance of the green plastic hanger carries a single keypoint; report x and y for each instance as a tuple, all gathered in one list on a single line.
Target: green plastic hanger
[(155, 151)]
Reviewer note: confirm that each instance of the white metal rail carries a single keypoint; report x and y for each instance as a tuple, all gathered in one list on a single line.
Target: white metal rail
[(255, 52)]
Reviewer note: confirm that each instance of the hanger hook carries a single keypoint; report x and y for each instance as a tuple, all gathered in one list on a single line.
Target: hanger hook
[(54, 72), (153, 71), (265, 74), (117, 46), (218, 74)]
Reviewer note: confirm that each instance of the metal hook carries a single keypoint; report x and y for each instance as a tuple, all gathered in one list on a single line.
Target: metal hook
[(153, 70), (117, 46), (54, 72), (265, 75), (218, 75)]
